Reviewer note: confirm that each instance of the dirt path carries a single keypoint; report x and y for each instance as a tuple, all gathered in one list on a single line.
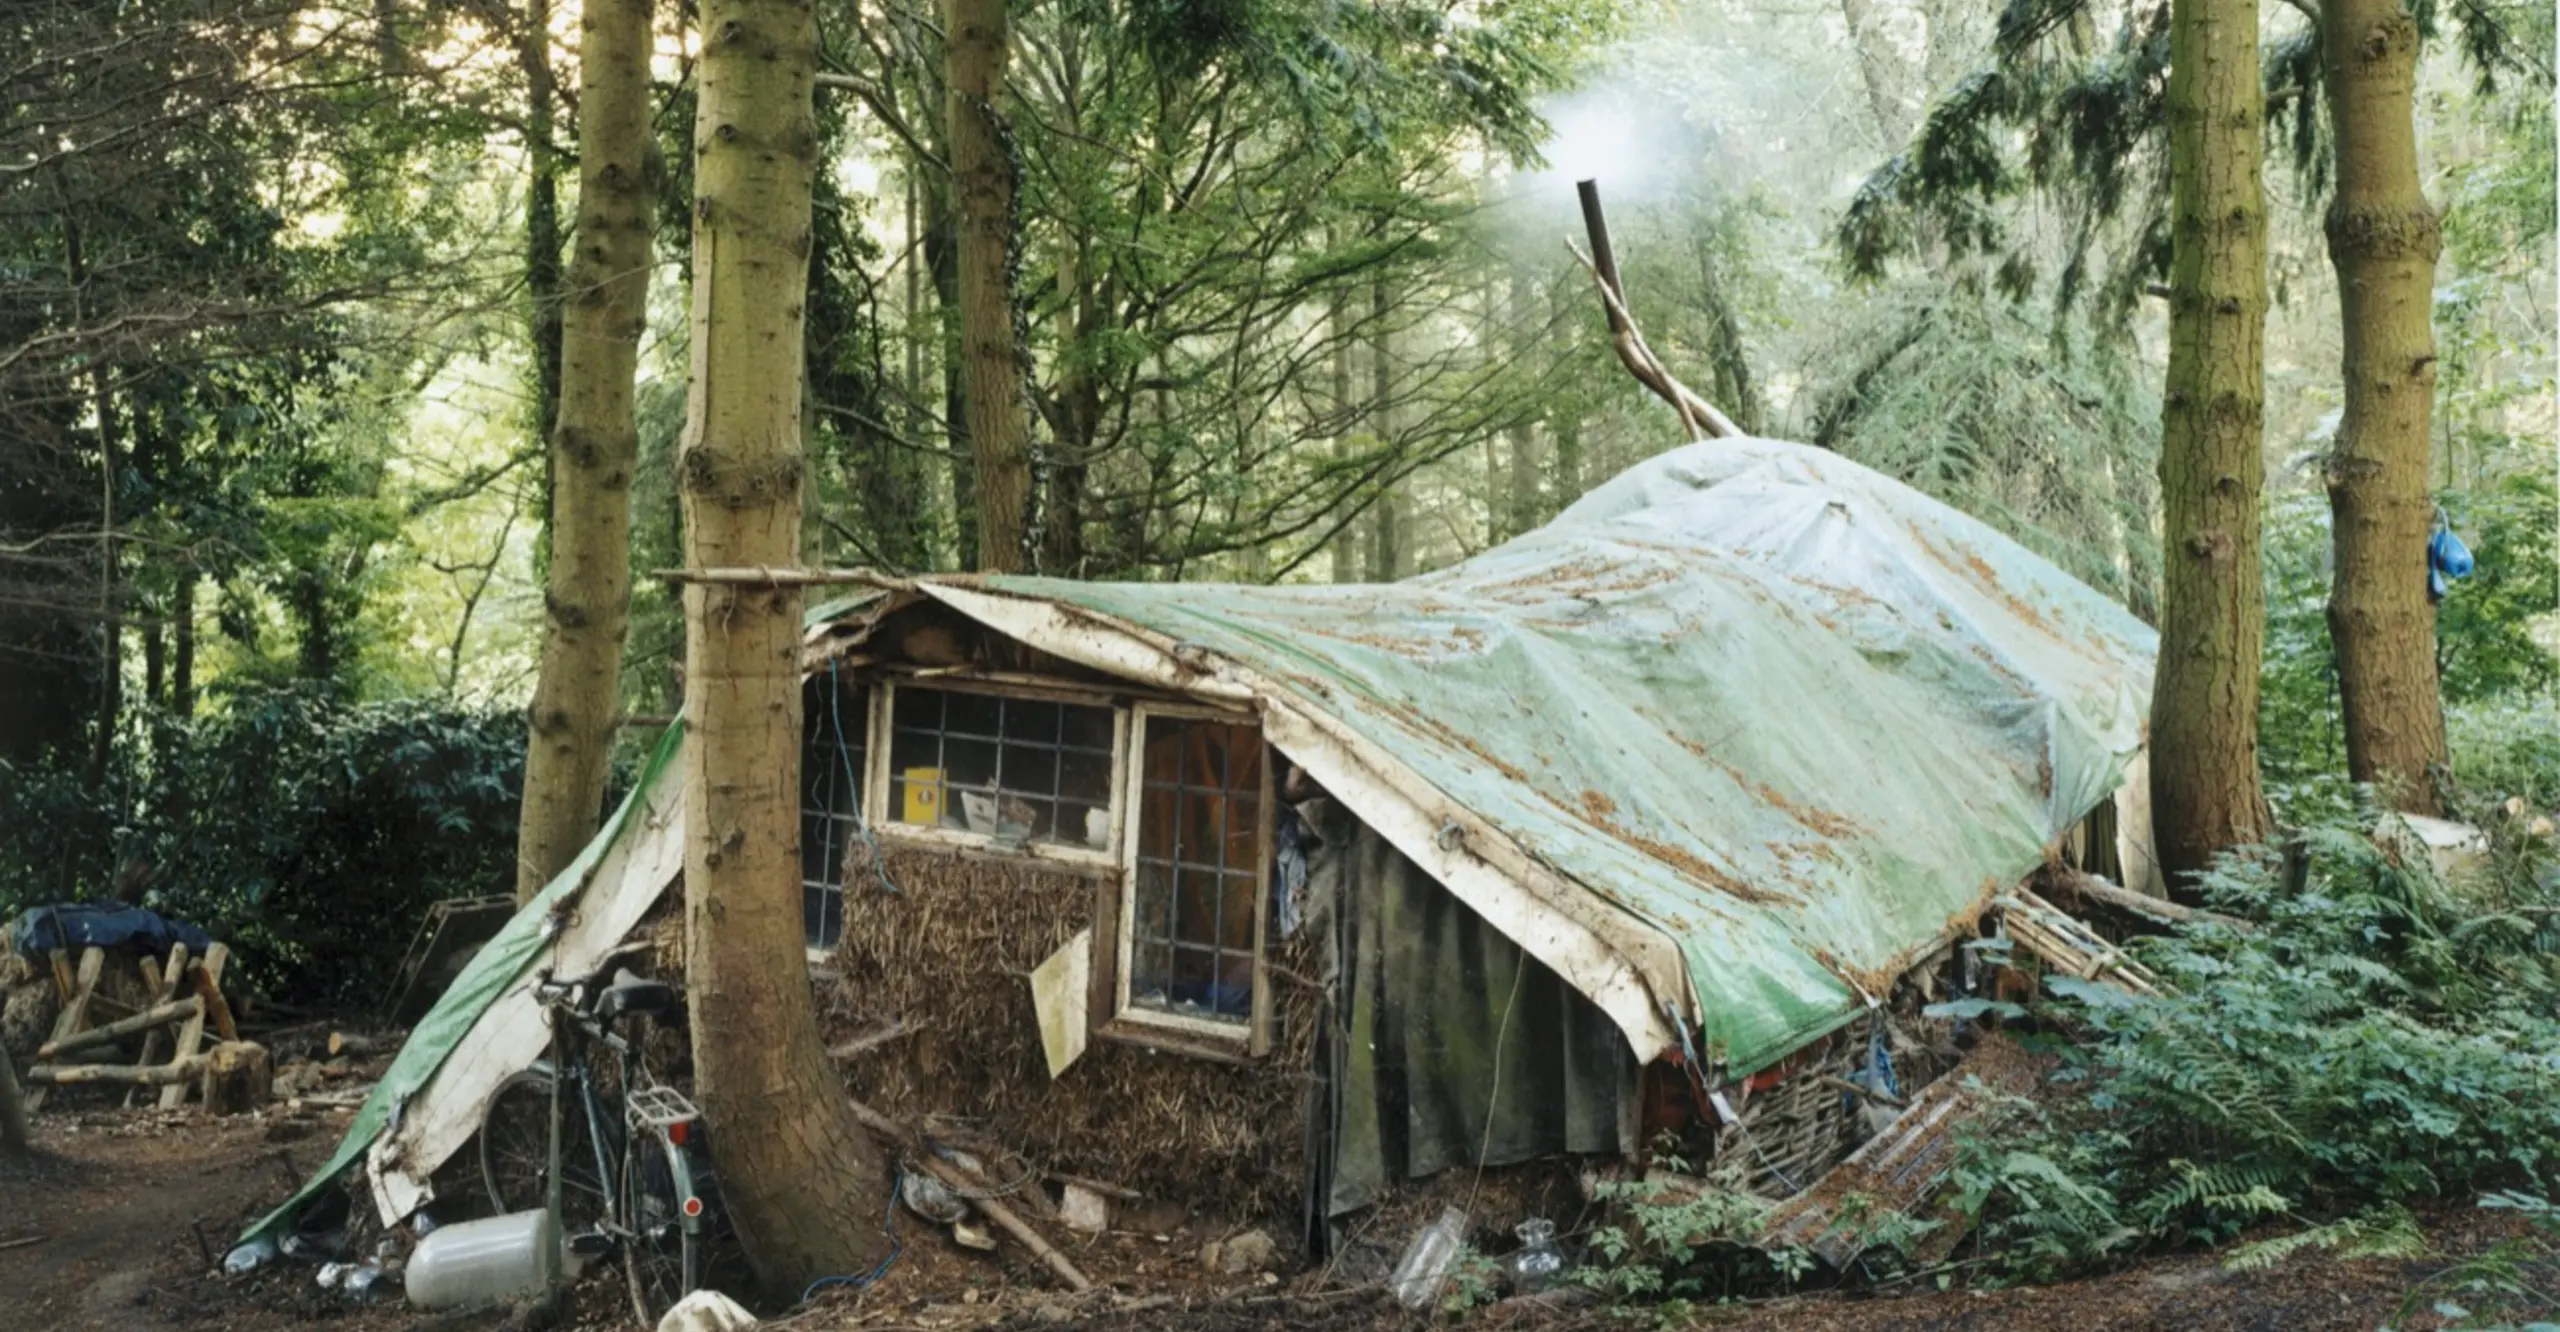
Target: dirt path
[(117, 1199)]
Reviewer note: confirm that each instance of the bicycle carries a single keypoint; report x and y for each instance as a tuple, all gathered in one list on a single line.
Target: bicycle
[(635, 1180)]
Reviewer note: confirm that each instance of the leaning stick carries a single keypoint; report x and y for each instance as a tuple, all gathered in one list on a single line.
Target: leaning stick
[(112, 1032), (975, 1190), (1697, 416)]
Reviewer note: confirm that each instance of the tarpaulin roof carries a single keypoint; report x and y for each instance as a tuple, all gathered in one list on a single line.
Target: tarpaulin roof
[(1797, 718)]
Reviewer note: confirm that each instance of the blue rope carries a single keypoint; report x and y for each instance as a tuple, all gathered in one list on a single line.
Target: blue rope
[(889, 1228), (853, 781)]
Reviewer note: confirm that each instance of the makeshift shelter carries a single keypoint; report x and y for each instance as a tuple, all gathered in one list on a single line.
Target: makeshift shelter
[(1611, 829)]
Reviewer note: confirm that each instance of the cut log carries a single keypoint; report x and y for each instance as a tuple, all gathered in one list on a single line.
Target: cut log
[(349, 1043), (238, 1077), (146, 1020), (64, 1075)]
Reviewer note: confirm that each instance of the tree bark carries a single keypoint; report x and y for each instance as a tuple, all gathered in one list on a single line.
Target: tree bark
[(13, 1108), (541, 230), (595, 447), (1387, 556), (2205, 789), (1879, 68), (975, 50), (803, 1182), (182, 651), (1346, 554), (2383, 239)]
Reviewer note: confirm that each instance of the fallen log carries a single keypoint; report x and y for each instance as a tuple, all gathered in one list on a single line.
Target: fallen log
[(349, 1043), (122, 1075), (2096, 895), (149, 1018)]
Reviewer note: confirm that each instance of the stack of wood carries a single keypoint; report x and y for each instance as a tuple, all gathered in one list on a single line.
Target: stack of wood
[(183, 997)]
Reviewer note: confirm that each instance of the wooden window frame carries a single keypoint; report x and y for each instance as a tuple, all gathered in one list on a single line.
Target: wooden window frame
[(876, 783), (1127, 1020)]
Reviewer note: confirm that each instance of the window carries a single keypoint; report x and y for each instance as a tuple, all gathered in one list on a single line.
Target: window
[(836, 721), (1193, 924), (1003, 769)]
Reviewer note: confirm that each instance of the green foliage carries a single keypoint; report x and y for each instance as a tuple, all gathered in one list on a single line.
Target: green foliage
[(1676, 1245), (2372, 1038), (2489, 620), (306, 832), (1966, 398)]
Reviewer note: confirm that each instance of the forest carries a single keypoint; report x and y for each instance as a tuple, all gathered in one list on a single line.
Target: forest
[(413, 412)]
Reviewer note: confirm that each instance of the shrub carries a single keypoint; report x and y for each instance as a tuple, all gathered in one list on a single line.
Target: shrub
[(307, 833)]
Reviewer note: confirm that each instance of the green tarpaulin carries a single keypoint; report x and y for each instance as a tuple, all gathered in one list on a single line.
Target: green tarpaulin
[(1799, 717)]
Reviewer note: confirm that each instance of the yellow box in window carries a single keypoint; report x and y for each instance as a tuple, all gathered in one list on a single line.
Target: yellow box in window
[(924, 797)]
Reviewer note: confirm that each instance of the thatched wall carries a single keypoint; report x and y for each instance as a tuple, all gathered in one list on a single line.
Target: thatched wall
[(950, 954)]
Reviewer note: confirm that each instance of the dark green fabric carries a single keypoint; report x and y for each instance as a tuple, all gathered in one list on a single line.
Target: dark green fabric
[(1452, 1046)]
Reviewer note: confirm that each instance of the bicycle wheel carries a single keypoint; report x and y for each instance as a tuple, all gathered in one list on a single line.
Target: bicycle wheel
[(515, 1152), (663, 1259)]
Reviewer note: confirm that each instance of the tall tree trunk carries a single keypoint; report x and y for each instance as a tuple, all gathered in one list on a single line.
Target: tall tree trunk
[(975, 49), (1387, 556), (1879, 67), (1346, 553), (2205, 788), (1729, 365), (796, 1170), (182, 651), (595, 447), (942, 260), (541, 232), (1520, 505), (2383, 238)]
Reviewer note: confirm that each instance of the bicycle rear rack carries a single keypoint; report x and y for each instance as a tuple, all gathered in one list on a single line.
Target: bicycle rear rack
[(658, 1107)]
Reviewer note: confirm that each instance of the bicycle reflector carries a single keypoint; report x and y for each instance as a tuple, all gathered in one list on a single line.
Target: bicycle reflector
[(693, 1207), (680, 1132)]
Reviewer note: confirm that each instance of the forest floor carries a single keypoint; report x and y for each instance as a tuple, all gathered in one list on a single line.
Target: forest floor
[(120, 1219)]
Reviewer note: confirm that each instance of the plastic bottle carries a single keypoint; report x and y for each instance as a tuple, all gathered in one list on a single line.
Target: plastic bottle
[(479, 1262), (1538, 1260), (1427, 1260)]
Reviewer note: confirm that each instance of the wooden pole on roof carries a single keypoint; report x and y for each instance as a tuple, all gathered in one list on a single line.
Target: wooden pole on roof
[(1697, 416)]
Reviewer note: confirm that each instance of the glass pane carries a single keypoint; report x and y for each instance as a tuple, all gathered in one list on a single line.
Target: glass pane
[(821, 916), (918, 709), (1031, 719), (1195, 907), (972, 714), (1085, 776), (1194, 971), (1085, 727), (914, 749), (1084, 824), (813, 849), (1235, 913), (1155, 823), (1235, 985), (968, 762), (1029, 769), (1155, 902), (1151, 974)]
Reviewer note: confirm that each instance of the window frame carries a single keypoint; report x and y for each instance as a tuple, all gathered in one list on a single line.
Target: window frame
[(877, 777), (1129, 1020), (854, 820)]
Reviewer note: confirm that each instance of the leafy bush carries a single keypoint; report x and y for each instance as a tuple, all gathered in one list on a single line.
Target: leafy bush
[(307, 833), (2371, 1038)]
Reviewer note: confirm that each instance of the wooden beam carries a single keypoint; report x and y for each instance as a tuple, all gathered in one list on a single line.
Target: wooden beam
[(164, 987), (176, 1074), (191, 1035), (157, 1016), (75, 1010), (764, 576)]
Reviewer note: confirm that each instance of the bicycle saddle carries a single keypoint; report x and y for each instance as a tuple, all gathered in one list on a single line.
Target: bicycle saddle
[(630, 994)]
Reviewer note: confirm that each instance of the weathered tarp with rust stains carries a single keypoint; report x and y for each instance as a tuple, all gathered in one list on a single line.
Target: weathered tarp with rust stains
[(1801, 718)]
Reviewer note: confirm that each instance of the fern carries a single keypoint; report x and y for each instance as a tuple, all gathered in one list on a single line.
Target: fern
[(2384, 1232)]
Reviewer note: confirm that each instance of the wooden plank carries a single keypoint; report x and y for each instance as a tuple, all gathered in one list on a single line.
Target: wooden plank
[(75, 1010), (164, 987), (209, 989), (191, 1036)]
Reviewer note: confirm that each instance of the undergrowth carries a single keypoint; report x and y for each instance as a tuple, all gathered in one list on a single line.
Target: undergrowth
[(2366, 1039)]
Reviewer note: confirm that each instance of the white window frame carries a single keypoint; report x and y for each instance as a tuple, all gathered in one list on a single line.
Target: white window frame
[(875, 788), (1254, 1033)]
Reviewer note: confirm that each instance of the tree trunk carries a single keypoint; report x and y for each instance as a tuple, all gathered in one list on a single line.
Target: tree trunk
[(1879, 67), (2205, 788), (2383, 238), (541, 232), (1387, 556), (797, 1172), (182, 652), (595, 447), (1520, 508), (974, 46), (1346, 554), (13, 1107), (942, 260)]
